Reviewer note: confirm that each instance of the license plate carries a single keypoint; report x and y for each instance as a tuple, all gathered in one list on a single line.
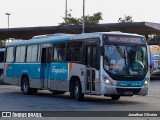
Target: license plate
[(128, 93)]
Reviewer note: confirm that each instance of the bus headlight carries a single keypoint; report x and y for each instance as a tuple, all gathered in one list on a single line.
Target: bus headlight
[(107, 81), (146, 83)]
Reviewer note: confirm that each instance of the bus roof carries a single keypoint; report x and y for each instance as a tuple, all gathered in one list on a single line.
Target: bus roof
[(64, 37)]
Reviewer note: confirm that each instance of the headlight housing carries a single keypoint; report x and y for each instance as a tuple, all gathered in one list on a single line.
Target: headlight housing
[(145, 82), (107, 81)]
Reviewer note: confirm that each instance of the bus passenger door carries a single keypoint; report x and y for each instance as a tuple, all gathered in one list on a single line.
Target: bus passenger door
[(45, 67), (90, 57)]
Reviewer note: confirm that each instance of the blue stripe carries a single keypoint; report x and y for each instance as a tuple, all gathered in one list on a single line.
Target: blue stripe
[(131, 83), (55, 71), (16, 70)]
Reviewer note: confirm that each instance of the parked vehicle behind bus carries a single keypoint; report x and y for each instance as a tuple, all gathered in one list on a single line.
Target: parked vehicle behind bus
[(112, 64), (154, 51), (2, 50)]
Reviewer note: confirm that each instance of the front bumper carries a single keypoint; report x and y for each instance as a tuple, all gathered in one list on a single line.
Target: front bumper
[(126, 91)]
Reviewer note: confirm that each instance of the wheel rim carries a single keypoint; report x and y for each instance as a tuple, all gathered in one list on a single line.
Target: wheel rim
[(76, 90), (25, 86)]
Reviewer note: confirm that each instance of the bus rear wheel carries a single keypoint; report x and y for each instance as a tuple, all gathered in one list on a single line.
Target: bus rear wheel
[(115, 97), (26, 87)]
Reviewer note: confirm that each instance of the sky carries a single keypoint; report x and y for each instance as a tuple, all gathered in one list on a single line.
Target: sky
[(32, 13)]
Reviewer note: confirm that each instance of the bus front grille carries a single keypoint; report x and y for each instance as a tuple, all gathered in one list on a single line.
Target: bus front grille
[(124, 90)]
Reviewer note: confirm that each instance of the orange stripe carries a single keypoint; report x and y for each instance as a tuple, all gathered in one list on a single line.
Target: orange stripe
[(6, 65), (70, 66)]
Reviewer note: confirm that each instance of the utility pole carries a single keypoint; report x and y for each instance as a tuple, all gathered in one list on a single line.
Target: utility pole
[(8, 14), (83, 24), (66, 11)]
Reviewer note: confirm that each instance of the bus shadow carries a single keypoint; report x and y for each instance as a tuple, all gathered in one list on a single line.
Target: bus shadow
[(88, 99), (101, 100), (107, 100)]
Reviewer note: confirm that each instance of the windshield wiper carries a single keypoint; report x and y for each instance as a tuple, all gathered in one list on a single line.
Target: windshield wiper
[(119, 49), (107, 60), (122, 53)]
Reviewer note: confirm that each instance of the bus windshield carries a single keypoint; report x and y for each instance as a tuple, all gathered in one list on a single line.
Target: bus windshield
[(125, 60)]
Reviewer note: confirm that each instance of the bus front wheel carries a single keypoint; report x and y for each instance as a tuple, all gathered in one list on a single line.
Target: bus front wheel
[(115, 97), (26, 88)]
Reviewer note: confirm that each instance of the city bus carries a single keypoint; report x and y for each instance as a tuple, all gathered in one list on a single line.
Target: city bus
[(154, 51), (112, 64)]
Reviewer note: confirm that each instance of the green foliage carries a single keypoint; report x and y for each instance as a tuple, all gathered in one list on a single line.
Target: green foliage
[(2, 43), (93, 19), (69, 20), (126, 19)]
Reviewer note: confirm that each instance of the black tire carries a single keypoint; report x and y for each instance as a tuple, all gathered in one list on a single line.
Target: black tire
[(76, 91), (72, 89), (57, 92), (115, 97), (26, 87)]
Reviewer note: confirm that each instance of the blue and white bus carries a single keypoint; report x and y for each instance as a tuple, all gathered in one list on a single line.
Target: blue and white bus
[(112, 64)]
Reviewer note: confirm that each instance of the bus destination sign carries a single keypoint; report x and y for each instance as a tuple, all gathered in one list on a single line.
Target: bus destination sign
[(124, 39)]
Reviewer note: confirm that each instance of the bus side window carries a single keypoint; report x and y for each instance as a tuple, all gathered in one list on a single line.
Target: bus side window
[(20, 54), (29, 54), (59, 52), (10, 54), (32, 53), (74, 50)]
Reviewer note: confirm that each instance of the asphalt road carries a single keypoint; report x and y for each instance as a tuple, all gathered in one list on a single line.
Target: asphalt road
[(11, 99)]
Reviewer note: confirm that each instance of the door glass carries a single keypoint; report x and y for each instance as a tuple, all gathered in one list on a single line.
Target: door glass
[(93, 80), (92, 57), (45, 66), (92, 60), (89, 57)]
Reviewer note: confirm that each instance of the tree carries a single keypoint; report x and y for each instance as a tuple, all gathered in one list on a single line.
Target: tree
[(93, 19), (126, 19), (2, 42)]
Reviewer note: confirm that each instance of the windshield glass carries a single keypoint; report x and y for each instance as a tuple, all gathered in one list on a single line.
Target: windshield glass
[(125, 60)]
